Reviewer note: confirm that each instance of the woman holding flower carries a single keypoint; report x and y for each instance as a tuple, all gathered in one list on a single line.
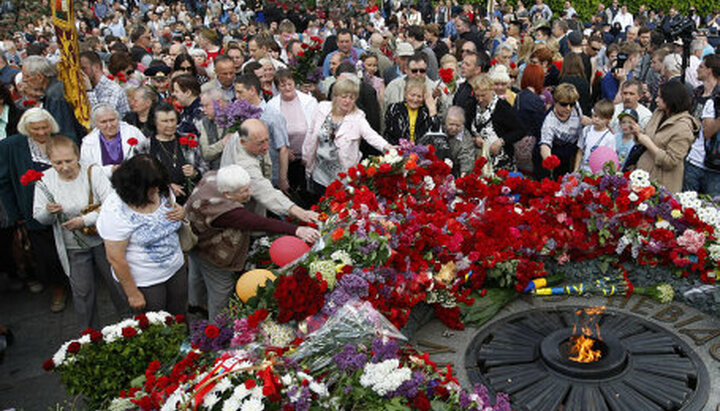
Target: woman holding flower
[(413, 118), (496, 124), (111, 141), (73, 187), (20, 154), (139, 224), (332, 144), (181, 157)]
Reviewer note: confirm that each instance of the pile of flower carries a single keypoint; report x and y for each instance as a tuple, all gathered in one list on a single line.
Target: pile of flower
[(101, 363), (367, 373)]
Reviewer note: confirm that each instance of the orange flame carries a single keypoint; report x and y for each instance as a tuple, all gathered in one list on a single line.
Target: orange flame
[(581, 350)]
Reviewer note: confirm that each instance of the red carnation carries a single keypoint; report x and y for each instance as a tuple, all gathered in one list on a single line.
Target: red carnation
[(183, 141), (74, 347), (132, 141), (111, 77), (551, 162), (143, 321), (250, 384), (446, 75), (212, 331), (128, 332), (301, 53), (29, 103), (48, 365), (96, 336), (179, 318), (305, 46), (421, 402), (30, 176), (192, 143)]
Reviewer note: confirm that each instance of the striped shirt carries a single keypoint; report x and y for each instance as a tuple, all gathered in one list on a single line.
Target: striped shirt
[(561, 131)]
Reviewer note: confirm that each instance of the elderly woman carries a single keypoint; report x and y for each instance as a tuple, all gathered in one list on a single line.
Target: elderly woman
[(560, 131), (212, 138), (332, 144), (462, 146), (413, 118), (496, 124), (79, 247), (299, 110), (18, 154), (111, 141), (217, 214), (139, 224), (668, 136), (183, 162), (501, 79), (141, 100), (186, 91)]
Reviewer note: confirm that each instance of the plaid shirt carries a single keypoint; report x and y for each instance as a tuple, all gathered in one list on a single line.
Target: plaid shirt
[(108, 92)]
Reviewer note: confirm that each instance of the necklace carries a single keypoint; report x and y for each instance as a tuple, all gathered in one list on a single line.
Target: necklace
[(171, 156)]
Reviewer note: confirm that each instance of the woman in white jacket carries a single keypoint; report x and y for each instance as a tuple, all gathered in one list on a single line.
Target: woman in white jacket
[(111, 141), (64, 194), (332, 144), (299, 110)]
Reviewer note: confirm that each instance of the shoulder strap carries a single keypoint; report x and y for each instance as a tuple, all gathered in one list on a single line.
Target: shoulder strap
[(91, 199)]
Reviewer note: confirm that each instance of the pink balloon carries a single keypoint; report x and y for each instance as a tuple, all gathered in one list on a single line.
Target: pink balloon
[(600, 157), (287, 249)]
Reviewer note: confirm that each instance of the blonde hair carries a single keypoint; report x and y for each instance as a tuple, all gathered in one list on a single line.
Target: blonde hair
[(482, 83), (415, 84), (342, 87), (59, 141), (566, 92)]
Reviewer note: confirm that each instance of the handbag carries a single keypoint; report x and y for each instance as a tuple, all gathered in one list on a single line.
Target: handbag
[(712, 152), (188, 239), (92, 206), (524, 148)]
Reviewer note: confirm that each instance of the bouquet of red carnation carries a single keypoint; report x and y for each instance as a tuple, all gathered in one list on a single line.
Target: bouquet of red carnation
[(447, 75), (298, 295)]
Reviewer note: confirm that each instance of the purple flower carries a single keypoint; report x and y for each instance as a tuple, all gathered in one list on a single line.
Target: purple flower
[(349, 360), (503, 402), (409, 389), (384, 351), (235, 113)]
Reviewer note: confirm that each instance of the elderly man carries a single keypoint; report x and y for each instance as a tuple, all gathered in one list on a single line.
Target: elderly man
[(376, 42), (213, 139), (40, 85), (217, 215), (111, 141), (101, 89), (247, 87), (249, 148), (225, 75)]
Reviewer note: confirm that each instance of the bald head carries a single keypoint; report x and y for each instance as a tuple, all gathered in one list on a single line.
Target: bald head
[(254, 137), (376, 40)]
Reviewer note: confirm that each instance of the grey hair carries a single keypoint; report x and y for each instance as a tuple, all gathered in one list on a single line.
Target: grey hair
[(455, 112), (232, 178), (215, 94), (36, 115), (697, 44), (504, 46), (39, 65), (101, 109), (146, 92)]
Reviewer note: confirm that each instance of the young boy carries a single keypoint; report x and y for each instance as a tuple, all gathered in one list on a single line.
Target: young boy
[(595, 135), (625, 139)]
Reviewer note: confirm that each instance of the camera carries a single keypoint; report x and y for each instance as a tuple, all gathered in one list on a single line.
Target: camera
[(620, 61)]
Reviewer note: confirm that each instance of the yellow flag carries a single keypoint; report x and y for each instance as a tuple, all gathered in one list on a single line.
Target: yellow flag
[(69, 65)]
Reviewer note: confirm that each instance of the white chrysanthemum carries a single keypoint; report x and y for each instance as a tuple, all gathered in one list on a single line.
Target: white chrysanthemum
[(714, 251), (286, 379), (429, 183), (319, 389), (633, 197), (210, 400), (342, 256), (642, 207), (326, 268), (231, 404), (157, 317), (384, 377), (663, 224), (253, 404), (392, 157), (223, 385), (280, 335), (61, 353), (240, 392), (85, 339), (640, 178), (171, 404), (708, 215)]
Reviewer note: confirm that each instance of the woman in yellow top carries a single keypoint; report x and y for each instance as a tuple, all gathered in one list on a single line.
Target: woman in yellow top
[(413, 118)]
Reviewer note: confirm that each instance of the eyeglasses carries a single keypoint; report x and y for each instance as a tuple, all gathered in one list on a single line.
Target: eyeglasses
[(467, 51), (182, 68), (596, 48), (564, 104), (418, 70)]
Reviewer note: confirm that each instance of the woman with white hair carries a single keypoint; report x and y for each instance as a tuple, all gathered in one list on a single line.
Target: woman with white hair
[(111, 141), (18, 154), (216, 213), (501, 78)]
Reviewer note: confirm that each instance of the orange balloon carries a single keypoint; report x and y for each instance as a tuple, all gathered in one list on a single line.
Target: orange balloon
[(248, 283)]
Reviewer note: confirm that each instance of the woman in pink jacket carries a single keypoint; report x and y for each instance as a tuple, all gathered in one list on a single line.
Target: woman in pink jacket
[(332, 144)]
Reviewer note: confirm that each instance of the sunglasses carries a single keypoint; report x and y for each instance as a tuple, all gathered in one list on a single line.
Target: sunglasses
[(184, 68), (596, 48), (467, 51), (566, 104), (416, 71)]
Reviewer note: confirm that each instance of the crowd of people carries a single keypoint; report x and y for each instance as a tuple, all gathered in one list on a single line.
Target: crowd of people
[(157, 170)]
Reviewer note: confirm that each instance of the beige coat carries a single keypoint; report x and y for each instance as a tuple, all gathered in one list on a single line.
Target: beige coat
[(674, 138)]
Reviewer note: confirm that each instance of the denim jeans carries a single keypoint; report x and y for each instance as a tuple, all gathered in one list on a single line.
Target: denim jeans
[(701, 180)]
